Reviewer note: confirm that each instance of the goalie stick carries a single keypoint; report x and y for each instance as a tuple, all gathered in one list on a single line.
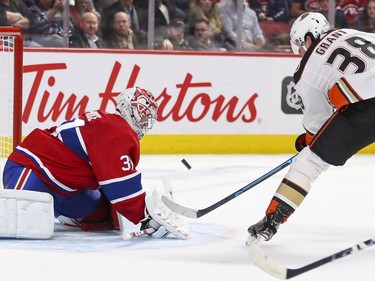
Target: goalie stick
[(275, 269), (130, 235), (196, 213)]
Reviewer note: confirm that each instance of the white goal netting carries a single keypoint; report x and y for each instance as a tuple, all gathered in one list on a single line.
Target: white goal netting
[(7, 89)]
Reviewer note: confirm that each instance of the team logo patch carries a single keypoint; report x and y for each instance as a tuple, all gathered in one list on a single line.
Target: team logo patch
[(291, 103)]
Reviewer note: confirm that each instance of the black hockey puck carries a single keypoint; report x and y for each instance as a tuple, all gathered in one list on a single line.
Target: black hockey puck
[(187, 165)]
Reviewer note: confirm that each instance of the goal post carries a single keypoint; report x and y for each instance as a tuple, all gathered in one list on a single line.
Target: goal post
[(11, 65)]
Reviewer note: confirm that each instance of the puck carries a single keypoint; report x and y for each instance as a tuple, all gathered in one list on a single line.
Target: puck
[(187, 165)]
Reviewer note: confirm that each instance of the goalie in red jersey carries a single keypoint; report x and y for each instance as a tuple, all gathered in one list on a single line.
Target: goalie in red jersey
[(88, 165)]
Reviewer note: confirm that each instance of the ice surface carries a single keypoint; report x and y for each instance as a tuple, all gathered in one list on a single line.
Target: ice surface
[(338, 213)]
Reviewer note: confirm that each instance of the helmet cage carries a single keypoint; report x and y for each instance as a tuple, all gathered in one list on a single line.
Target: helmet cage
[(139, 108), (143, 108), (300, 43)]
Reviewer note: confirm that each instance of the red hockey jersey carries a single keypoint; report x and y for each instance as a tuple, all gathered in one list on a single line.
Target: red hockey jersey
[(95, 150)]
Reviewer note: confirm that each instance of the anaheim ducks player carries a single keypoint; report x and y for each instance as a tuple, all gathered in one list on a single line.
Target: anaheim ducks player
[(335, 81)]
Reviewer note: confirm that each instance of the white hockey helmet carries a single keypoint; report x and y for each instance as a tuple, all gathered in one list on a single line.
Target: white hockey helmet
[(139, 108), (314, 24)]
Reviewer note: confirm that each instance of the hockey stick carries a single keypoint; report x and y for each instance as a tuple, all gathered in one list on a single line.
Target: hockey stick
[(168, 188), (130, 235), (268, 265), (167, 183), (194, 213)]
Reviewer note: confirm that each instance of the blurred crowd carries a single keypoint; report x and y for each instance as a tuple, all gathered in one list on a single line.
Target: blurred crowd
[(203, 25)]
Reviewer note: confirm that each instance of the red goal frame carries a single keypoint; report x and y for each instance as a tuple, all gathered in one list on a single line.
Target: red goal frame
[(16, 33)]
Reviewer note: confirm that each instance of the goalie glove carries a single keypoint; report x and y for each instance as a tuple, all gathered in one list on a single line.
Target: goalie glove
[(164, 221), (159, 230)]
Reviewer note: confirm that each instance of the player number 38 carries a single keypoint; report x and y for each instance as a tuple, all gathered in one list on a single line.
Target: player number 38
[(366, 47)]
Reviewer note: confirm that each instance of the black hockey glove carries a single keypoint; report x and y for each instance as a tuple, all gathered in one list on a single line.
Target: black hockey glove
[(267, 227), (300, 142)]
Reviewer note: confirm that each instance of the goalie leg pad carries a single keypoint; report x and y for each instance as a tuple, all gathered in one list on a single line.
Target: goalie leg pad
[(168, 219), (26, 214)]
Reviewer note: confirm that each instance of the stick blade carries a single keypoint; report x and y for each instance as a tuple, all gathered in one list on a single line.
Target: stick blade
[(168, 188), (181, 210), (130, 235), (127, 236), (265, 263)]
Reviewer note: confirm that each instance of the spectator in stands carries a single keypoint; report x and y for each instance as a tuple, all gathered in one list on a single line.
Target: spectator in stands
[(183, 5), (271, 10), (252, 35), (366, 21), (17, 15), (352, 9), (208, 10), (181, 10), (87, 36), (298, 7), (131, 10), (175, 39), (202, 40), (100, 5), (122, 36), (29, 3), (3, 16), (78, 9), (165, 12), (340, 18), (47, 25)]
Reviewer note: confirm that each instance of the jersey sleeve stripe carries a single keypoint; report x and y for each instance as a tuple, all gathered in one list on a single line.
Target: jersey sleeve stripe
[(81, 141), (127, 197), (294, 186), (122, 188), (122, 179), (74, 141), (342, 94)]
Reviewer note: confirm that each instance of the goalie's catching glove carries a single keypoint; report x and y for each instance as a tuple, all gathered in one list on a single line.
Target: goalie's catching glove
[(159, 230), (163, 220)]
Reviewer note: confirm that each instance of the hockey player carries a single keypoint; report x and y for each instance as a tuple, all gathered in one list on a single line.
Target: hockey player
[(335, 81), (88, 166)]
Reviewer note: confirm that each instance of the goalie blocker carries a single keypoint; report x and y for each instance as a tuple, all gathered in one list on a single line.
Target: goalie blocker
[(26, 214)]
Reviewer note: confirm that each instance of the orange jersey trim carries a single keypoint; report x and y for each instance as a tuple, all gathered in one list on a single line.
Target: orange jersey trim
[(342, 93)]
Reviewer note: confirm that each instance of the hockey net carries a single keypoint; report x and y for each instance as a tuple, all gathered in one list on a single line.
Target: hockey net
[(11, 63)]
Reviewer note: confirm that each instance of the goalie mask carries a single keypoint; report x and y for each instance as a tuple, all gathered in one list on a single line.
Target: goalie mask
[(139, 108), (313, 24)]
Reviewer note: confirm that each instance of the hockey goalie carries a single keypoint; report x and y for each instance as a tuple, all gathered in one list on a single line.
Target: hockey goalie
[(84, 173)]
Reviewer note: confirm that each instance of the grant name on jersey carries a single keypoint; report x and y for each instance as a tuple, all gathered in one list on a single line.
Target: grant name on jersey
[(328, 40)]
